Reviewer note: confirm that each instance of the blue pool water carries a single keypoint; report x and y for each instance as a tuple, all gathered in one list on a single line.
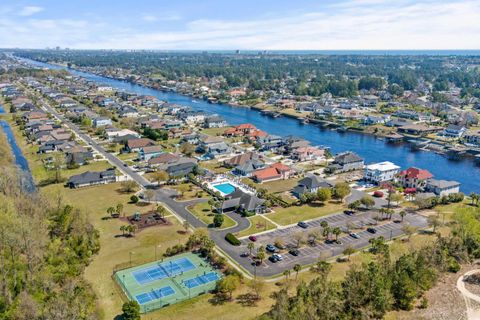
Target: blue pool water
[(225, 188)]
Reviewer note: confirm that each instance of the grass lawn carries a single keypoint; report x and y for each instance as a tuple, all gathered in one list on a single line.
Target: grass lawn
[(114, 249), (203, 212), (214, 131), (257, 224), (285, 216), (214, 165), (192, 192), (279, 185)]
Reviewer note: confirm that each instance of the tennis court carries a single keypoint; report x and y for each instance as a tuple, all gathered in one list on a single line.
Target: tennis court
[(161, 283), (201, 280)]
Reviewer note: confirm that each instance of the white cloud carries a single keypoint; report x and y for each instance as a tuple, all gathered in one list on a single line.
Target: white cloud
[(29, 11), (363, 24)]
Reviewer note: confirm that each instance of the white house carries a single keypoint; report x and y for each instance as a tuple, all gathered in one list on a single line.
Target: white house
[(381, 172), (102, 122), (442, 187)]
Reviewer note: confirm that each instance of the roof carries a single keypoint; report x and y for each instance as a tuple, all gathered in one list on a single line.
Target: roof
[(242, 158), (139, 143), (91, 177), (382, 166), (281, 167), (313, 181), (164, 158), (267, 173), (152, 149), (416, 173), (443, 183), (347, 157)]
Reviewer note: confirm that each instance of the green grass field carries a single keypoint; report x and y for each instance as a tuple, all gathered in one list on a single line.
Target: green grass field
[(175, 284), (203, 212), (257, 224), (285, 216)]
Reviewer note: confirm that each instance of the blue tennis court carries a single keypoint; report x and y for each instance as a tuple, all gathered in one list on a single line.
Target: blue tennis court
[(201, 280), (163, 270), (154, 295)]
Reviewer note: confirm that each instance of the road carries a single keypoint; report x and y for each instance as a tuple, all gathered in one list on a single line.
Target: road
[(308, 254)]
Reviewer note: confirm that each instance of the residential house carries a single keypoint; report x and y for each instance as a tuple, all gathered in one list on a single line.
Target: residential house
[(102, 122), (269, 143), (381, 172), (454, 131), (472, 138), (308, 153), (442, 187), (414, 178), (90, 178), (163, 160), (148, 152), (372, 120), (180, 170), (418, 129), (134, 145), (276, 171), (310, 184), (215, 121), (346, 161)]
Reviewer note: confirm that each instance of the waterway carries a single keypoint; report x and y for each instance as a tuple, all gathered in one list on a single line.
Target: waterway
[(26, 179), (372, 149)]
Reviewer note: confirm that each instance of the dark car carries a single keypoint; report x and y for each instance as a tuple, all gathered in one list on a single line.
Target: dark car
[(349, 212), (329, 241), (372, 230), (271, 248), (294, 252), (252, 238), (302, 224)]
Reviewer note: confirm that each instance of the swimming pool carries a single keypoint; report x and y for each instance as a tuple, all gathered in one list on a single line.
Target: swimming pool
[(225, 188)]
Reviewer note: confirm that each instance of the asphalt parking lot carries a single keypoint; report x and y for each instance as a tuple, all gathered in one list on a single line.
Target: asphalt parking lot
[(310, 254)]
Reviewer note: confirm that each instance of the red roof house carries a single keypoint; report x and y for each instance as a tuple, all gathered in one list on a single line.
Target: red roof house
[(414, 178)]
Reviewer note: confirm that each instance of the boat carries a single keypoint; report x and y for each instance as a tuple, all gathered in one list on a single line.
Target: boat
[(342, 129)]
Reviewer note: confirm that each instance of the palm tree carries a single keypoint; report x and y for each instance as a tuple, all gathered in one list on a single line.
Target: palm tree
[(403, 213), (475, 197), (111, 211), (336, 231), (119, 208), (123, 229), (251, 247), (326, 232), (260, 256), (297, 269), (286, 273), (186, 225)]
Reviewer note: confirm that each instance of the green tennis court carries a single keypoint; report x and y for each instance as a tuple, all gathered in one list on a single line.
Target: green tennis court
[(164, 282)]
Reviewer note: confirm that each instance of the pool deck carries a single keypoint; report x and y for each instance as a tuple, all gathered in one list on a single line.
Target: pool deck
[(167, 281)]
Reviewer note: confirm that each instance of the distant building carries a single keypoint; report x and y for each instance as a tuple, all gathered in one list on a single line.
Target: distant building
[(414, 178), (442, 187), (90, 178)]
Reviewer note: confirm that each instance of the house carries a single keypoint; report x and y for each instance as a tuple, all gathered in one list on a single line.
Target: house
[(115, 134), (192, 117), (442, 187), (454, 131), (310, 184), (414, 178), (381, 172), (102, 122), (148, 152), (78, 156), (472, 138), (269, 143), (214, 121), (180, 170), (134, 145), (418, 129), (308, 153), (276, 171), (371, 120), (243, 203), (244, 164), (346, 161), (90, 178), (213, 146), (240, 130), (163, 159)]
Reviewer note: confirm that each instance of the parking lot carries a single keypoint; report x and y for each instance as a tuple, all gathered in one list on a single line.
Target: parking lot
[(310, 253)]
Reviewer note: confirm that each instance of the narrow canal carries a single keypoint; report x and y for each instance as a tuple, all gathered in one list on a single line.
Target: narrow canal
[(369, 147)]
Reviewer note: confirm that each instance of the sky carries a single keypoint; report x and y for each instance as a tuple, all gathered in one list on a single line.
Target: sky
[(244, 25)]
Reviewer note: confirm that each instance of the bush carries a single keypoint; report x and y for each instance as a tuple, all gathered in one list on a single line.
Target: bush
[(131, 310), (453, 266), (134, 199), (230, 237), (218, 220)]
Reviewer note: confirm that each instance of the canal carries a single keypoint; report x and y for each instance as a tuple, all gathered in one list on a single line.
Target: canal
[(369, 147)]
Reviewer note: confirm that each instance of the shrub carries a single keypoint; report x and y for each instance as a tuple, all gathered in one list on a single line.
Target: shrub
[(218, 220), (134, 199), (453, 266), (230, 237)]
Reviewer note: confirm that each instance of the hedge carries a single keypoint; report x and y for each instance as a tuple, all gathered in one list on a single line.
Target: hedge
[(232, 239)]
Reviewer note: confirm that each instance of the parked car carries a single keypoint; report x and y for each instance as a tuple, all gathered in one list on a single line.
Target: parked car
[(329, 241), (244, 254), (378, 194), (354, 235), (278, 256), (302, 224), (294, 252), (372, 230), (271, 248), (252, 238), (349, 212)]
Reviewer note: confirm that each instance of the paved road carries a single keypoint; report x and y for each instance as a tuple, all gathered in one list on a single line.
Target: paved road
[(308, 254)]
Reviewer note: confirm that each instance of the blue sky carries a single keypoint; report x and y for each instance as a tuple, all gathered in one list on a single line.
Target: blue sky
[(246, 24)]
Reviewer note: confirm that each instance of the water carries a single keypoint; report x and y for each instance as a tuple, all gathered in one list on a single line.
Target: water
[(26, 178), (367, 146)]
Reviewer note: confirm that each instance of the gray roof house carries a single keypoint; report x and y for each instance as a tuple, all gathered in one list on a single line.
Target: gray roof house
[(346, 161), (243, 202), (442, 187), (90, 178), (310, 184), (180, 169)]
